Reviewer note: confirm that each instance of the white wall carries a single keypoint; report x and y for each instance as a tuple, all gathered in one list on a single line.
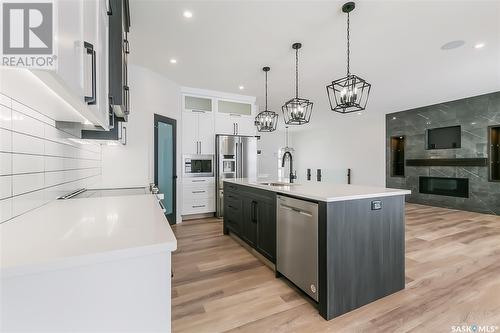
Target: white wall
[(133, 164), (354, 141)]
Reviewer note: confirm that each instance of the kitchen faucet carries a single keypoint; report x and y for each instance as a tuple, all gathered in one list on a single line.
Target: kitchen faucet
[(283, 159)]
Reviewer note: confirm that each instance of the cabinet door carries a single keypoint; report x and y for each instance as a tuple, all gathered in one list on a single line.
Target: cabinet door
[(249, 220), (69, 44), (206, 133), (102, 62), (190, 139), (235, 108), (266, 226), (246, 126), (196, 103), (224, 124)]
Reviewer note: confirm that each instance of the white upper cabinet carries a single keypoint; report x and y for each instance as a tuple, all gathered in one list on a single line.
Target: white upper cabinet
[(206, 133), (68, 44), (190, 140), (197, 104), (95, 64), (234, 108), (198, 135), (246, 126), (80, 46)]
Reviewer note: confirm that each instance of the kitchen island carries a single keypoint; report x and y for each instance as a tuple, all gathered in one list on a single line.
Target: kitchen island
[(355, 253), (95, 264)]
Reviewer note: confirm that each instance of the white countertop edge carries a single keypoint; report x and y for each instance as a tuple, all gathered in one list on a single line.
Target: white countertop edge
[(394, 192), (86, 260)]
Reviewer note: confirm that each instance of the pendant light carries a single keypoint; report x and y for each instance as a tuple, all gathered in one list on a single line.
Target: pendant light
[(266, 120), (350, 93), (297, 111)]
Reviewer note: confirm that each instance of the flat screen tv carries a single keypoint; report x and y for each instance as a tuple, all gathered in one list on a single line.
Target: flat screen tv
[(444, 138)]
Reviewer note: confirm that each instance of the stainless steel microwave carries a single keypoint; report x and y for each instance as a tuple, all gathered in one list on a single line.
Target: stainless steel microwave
[(198, 165)]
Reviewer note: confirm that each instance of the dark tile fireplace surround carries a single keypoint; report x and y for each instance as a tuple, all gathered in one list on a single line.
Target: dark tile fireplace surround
[(464, 176)]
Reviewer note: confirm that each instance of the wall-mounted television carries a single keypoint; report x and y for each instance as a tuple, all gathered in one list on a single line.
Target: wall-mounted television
[(444, 137)]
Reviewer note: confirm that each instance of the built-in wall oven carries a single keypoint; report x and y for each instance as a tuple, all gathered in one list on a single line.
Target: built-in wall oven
[(198, 165)]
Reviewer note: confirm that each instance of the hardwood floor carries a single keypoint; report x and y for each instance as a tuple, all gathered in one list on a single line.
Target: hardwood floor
[(452, 279)]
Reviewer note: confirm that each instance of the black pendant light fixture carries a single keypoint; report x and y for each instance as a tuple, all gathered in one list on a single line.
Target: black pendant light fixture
[(266, 120), (350, 93), (297, 111)]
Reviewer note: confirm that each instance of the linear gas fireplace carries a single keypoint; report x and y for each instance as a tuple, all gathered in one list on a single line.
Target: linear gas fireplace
[(452, 187)]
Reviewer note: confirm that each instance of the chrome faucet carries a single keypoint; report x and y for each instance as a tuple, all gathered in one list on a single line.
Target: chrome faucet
[(283, 159)]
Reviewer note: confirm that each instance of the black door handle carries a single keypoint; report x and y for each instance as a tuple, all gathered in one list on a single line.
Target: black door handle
[(91, 100), (253, 212)]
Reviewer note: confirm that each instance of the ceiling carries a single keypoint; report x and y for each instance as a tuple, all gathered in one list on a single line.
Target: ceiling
[(395, 45)]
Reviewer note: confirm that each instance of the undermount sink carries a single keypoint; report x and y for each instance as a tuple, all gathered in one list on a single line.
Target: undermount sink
[(276, 184)]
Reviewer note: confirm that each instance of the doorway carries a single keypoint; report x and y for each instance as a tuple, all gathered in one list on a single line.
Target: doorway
[(165, 132)]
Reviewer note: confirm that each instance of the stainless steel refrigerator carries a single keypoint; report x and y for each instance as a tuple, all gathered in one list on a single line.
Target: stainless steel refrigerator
[(236, 158)]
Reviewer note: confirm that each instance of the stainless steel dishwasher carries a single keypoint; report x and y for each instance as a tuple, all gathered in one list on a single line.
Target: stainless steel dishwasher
[(297, 243)]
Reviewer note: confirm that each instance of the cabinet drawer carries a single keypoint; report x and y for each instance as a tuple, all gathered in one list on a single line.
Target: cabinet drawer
[(198, 206), (233, 203), (198, 181), (198, 192)]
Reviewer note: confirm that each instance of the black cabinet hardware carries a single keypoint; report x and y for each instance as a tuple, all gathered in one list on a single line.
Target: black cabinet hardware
[(89, 50)]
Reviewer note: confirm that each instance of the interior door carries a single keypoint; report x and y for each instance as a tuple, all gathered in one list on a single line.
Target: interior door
[(165, 163)]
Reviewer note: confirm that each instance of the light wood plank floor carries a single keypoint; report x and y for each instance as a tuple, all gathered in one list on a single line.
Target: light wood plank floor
[(452, 278)]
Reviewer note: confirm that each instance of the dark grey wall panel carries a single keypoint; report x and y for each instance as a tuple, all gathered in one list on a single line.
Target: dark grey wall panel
[(474, 115)]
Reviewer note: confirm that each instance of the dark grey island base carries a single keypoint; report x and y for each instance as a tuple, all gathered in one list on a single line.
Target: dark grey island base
[(360, 249)]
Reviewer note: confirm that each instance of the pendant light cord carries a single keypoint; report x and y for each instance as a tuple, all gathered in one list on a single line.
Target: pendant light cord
[(296, 73), (266, 91), (348, 45)]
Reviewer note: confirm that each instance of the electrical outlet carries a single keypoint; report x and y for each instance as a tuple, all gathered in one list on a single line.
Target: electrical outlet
[(376, 204)]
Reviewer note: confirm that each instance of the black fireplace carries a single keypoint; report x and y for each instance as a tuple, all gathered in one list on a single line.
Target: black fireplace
[(452, 187)]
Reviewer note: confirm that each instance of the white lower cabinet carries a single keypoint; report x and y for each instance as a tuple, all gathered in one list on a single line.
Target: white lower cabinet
[(198, 195)]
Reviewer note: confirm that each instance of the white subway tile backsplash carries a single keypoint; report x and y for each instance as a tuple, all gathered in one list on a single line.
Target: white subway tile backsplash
[(5, 209), (27, 111), (5, 187), (5, 117), (5, 164), (56, 163), (5, 140), (4, 100), (22, 143), (22, 163), (27, 125), (27, 202), (27, 183), (38, 162)]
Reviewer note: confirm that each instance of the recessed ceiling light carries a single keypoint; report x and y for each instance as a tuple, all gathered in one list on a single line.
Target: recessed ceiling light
[(187, 14), (454, 44), (241, 87), (360, 113), (479, 46), (394, 118), (173, 61)]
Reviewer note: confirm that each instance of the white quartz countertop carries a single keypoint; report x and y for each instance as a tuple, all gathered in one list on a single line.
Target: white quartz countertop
[(84, 231), (327, 192)]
